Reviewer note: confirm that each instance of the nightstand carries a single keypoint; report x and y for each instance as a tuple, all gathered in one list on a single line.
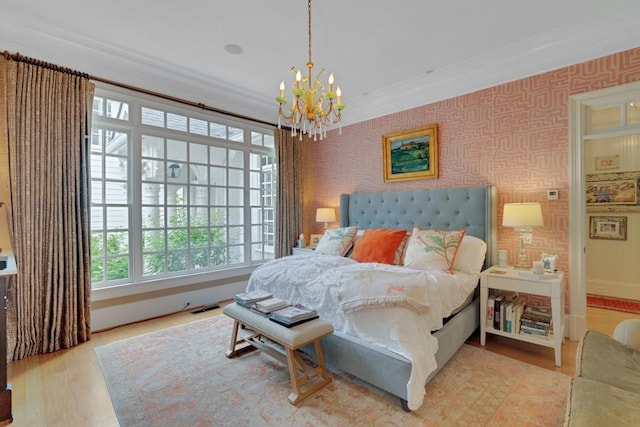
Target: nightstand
[(303, 251), (510, 279)]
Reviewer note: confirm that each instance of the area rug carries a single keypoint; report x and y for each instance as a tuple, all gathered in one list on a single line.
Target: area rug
[(618, 304), (180, 377)]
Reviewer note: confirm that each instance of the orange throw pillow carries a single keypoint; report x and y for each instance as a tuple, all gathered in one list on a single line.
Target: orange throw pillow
[(378, 245)]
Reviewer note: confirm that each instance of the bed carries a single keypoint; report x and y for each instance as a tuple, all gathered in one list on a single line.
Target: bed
[(392, 361)]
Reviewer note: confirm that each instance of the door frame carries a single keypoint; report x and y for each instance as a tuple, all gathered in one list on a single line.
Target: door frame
[(578, 120)]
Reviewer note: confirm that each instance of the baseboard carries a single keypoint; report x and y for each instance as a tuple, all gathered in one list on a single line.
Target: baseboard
[(623, 290)]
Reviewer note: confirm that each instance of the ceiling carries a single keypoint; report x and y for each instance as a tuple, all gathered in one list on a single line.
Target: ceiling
[(386, 56)]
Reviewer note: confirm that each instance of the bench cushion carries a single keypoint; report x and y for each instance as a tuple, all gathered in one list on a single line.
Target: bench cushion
[(293, 337)]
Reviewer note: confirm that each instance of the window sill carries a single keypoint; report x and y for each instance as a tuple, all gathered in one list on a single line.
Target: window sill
[(155, 285)]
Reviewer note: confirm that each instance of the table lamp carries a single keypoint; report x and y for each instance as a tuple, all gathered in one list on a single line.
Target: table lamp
[(325, 215), (522, 217)]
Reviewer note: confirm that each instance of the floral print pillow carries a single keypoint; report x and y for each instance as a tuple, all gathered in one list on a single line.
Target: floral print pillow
[(433, 249), (337, 241)]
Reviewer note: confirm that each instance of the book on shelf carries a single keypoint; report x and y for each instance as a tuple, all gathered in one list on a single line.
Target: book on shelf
[(500, 311), (496, 311), (271, 304), (537, 314), (524, 330), (247, 299), (490, 307), (517, 314), (534, 325)]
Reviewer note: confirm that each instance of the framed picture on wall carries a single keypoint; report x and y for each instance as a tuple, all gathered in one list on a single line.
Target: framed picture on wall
[(410, 155), (613, 192), (608, 227), (315, 239), (608, 162)]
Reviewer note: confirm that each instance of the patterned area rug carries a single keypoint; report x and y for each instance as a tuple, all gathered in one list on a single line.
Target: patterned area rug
[(180, 377), (599, 301)]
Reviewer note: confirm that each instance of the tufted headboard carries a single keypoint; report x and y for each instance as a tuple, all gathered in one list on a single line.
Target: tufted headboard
[(471, 208)]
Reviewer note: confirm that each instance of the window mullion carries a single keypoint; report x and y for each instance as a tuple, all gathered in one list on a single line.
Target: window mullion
[(135, 202)]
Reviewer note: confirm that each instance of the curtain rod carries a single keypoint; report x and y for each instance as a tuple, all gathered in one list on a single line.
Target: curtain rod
[(21, 58), (32, 61)]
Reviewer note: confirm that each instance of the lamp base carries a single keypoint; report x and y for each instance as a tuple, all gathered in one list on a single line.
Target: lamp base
[(521, 267)]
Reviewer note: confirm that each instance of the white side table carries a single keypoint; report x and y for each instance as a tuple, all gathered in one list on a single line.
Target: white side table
[(509, 279)]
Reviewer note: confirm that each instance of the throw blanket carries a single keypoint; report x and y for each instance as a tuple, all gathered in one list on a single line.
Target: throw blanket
[(371, 285), (390, 306)]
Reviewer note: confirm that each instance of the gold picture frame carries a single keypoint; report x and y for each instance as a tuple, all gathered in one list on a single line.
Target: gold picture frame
[(411, 154), (314, 240), (613, 192), (608, 162), (608, 227)]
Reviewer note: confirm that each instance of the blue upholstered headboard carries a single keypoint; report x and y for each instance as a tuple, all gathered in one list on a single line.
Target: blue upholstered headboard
[(471, 208)]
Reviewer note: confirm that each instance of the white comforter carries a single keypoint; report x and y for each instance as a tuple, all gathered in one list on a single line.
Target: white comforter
[(390, 306)]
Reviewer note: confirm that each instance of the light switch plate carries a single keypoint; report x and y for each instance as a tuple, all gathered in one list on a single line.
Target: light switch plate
[(552, 194)]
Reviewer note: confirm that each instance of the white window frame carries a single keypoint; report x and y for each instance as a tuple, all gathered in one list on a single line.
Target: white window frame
[(137, 282)]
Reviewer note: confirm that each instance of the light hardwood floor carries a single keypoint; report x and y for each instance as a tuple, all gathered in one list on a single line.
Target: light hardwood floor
[(66, 388)]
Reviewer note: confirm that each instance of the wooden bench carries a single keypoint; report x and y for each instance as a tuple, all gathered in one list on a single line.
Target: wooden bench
[(305, 379)]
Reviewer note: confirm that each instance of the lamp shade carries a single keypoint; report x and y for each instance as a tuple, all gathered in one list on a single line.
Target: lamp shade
[(522, 215), (325, 215)]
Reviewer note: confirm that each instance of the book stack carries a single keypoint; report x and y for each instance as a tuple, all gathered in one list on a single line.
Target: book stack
[(247, 299), (502, 311), (513, 310), (267, 306), (293, 315), (536, 321)]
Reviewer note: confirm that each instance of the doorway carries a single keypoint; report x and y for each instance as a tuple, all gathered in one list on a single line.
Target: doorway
[(604, 235)]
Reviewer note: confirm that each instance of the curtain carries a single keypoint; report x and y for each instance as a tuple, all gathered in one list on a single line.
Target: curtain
[(47, 121), (289, 204)]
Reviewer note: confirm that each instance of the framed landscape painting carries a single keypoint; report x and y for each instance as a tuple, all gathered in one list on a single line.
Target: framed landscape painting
[(411, 154)]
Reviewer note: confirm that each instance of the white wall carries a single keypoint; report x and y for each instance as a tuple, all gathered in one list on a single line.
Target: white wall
[(121, 314), (613, 267)]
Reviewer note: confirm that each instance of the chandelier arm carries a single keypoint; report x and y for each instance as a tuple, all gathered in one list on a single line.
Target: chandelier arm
[(308, 113)]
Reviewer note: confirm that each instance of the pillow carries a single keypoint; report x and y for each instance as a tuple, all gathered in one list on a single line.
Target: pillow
[(433, 249), (402, 247), (378, 245), (470, 256), (336, 241)]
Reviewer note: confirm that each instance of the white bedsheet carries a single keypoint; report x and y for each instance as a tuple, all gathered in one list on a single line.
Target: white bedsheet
[(390, 306)]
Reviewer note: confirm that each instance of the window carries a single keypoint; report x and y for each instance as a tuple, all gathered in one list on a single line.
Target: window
[(175, 191)]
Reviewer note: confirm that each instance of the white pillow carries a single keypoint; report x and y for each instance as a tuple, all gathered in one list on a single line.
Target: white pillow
[(433, 249), (470, 256), (336, 241)]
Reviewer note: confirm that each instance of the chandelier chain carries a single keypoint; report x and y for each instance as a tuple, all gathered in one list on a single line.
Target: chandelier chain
[(309, 20)]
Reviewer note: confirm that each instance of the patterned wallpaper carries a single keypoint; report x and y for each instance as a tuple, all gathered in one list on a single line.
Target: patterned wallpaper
[(513, 136)]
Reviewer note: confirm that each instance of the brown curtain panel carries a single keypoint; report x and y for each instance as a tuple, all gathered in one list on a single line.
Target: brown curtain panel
[(289, 205), (48, 113)]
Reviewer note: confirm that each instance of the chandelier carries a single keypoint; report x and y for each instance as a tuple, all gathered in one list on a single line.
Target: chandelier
[(313, 110)]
